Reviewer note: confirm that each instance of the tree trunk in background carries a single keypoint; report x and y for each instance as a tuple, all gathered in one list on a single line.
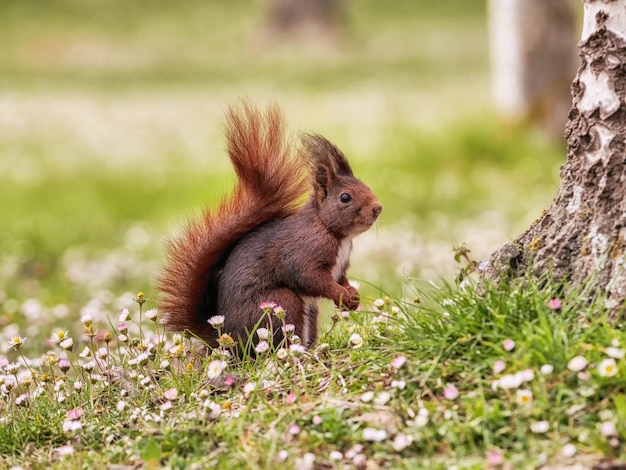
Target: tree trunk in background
[(533, 60), (322, 20), (583, 233)]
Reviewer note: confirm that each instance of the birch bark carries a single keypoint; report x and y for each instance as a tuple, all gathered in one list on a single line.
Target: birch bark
[(581, 237)]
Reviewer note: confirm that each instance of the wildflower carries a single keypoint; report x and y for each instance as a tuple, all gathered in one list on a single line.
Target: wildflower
[(508, 344), (282, 455), (527, 375), (262, 347), (322, 348), (67, 344), (367, 397), (16, 342), (72, 426), (279, 312), (294, 430), (216, 321), (568, 450), (401, 441), (382, 398), (86, 352), (78, 385), (106, 337), (539, 427), (86, 320), (306, 462), (289, 329), (451, 392), (422, 418), (141, 298), (507, 382), (297, 349), (152, 314), (354, 450), (124, 315), (64, 365), (547, 369), (249, 388), (295, 339), (89, 365), (75, 413), (140, 360), (226, 341), (121, 405), (356, 341), (215, 368), (576, 364), (555, 304), (607, 368), (177, 351), (21, 400), (498, 366), (399, 384), (608, 429), (374, 435), (58, 336), (64, 450), (317, 420), (170, 394), (524, 397), (615, 353), (11, 368), (398, 361), (494, 458), (335, 455), (262, 333), (282, 354), (89, 331), (267, 305), (379, 303), (291, 398), (102, 353)]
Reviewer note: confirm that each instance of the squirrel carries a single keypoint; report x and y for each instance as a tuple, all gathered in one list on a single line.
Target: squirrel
[(283, 236)]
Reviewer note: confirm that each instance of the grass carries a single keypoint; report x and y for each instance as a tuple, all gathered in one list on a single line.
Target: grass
[(449, 377)]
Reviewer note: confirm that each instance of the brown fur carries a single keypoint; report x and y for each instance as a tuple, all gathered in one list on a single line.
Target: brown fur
[(260, 244)]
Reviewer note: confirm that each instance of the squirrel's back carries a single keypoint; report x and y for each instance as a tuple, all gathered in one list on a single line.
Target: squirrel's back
[(271, 183)]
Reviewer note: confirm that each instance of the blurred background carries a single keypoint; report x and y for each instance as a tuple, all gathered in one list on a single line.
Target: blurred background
[(111, 131)]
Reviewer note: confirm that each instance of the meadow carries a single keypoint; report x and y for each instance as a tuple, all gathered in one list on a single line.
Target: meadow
[(111, 137)]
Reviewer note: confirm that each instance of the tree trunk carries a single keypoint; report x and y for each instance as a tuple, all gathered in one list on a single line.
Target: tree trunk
[(582, 236), (533, 60), (319, 20)]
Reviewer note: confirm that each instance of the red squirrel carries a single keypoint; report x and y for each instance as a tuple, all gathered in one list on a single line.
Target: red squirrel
[(267, 242)]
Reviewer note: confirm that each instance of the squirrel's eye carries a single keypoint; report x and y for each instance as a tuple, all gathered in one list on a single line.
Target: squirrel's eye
[(345, 197)]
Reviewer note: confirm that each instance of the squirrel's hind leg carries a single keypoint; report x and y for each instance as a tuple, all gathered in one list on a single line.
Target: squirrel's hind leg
[(295, 312)]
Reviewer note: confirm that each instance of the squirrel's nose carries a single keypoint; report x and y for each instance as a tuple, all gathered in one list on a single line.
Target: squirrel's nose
[(377, 209)]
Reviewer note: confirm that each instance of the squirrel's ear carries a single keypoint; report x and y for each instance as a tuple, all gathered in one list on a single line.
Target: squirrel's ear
[(326, 154), (323, 179)]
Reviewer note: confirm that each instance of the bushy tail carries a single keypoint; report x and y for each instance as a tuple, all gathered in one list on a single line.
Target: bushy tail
[(272, 180)]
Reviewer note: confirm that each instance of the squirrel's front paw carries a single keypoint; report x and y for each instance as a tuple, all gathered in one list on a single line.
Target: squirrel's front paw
[(353, 299)]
